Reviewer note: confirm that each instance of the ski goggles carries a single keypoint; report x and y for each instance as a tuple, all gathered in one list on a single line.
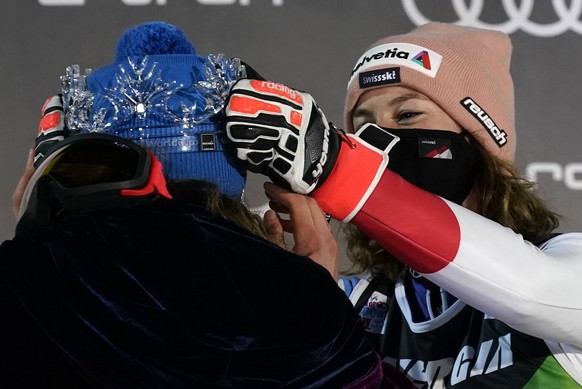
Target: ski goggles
[(92, 171)]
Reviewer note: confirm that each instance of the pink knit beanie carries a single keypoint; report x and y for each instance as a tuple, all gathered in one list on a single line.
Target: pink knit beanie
[(464, 70)]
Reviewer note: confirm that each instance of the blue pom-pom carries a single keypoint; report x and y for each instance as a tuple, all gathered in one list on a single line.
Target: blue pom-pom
[(153, 38)]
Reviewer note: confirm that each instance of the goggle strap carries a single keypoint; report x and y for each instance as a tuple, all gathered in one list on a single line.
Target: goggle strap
[(156, 182)]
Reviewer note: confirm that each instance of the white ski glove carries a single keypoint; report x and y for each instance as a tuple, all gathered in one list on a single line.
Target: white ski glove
[(281, 133)]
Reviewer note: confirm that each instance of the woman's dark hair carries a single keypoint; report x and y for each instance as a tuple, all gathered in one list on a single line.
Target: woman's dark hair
[(207, 195)]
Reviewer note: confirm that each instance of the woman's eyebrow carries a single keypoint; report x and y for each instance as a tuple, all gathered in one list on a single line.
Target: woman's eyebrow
[(405, 97), (392, 102)]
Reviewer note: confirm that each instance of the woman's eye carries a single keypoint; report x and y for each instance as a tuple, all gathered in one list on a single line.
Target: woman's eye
[(407, 115)]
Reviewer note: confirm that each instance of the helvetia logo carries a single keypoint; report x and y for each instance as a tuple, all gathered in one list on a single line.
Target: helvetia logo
[(399, 54), (380, 55), (423, 59)]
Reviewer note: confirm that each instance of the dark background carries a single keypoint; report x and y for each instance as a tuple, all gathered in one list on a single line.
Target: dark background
[(310, 45)]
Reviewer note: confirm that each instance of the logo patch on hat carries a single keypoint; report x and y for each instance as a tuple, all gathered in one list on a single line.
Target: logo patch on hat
[(379, 77), (412, 56), (499, 136), (434, 148), (207, 141), (423, 59)]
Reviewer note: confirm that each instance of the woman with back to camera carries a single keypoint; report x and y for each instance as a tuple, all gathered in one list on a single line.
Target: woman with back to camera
[(116, 280)]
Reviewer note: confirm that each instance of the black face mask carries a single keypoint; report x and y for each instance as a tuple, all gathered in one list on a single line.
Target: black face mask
[(440, 162)]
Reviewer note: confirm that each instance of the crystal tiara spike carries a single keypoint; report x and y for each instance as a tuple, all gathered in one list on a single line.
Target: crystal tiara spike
[(140, 92)]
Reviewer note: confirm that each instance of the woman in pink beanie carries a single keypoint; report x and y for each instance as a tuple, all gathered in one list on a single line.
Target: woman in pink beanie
[(465, 282)]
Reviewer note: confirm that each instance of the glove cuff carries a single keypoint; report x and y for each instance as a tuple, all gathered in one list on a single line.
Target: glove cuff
[(355, 174), (332, 154)]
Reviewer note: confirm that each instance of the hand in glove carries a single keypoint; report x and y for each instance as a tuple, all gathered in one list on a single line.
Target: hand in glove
[(51, 128), (281, 133)]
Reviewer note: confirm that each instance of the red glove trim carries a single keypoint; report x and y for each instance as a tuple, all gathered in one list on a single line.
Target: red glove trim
[(250, 105), (50, 122)]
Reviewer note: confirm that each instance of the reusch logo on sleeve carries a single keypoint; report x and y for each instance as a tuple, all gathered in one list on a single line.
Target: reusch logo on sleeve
[(498, 135), (379, 77)]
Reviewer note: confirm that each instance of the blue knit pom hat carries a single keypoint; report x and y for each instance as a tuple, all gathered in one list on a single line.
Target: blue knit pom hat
[(160, 94)]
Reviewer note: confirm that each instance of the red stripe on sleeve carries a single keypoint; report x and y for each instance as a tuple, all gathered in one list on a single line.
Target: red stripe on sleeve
[(417, 227)]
